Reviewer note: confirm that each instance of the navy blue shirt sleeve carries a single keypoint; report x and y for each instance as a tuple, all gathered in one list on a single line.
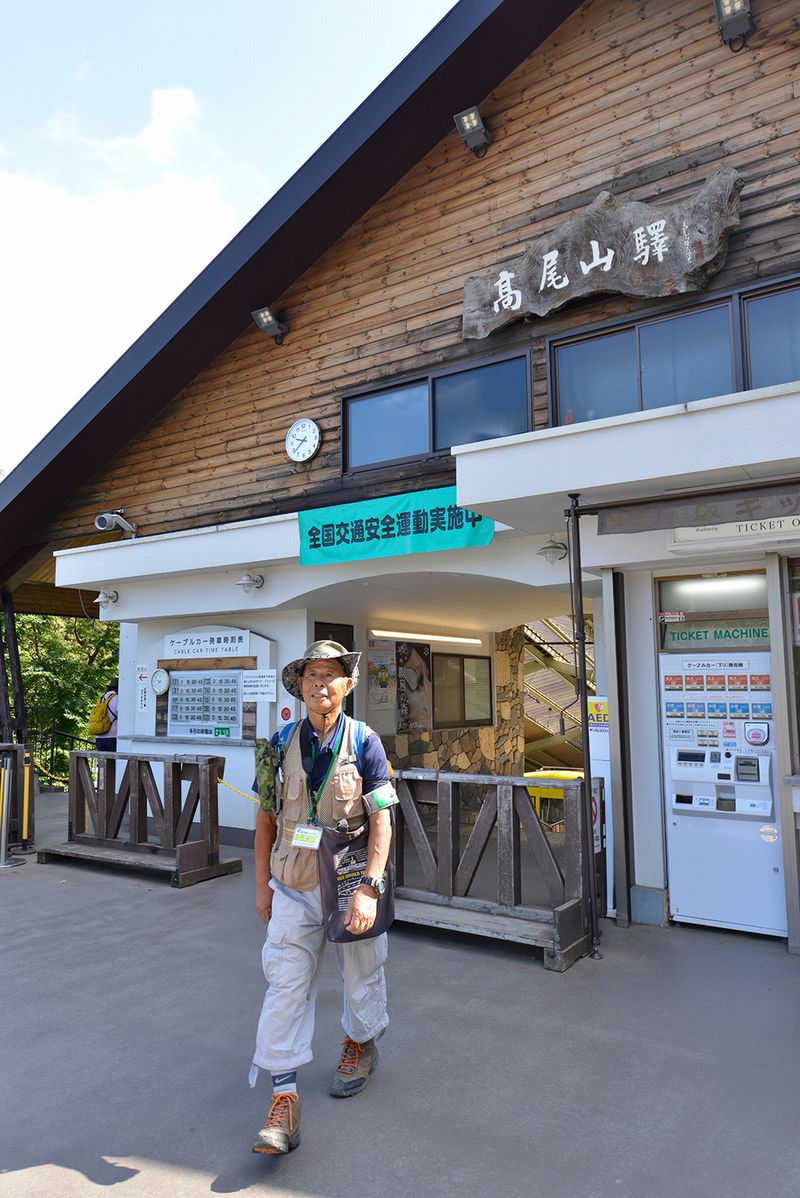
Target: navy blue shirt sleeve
[(374, 766)]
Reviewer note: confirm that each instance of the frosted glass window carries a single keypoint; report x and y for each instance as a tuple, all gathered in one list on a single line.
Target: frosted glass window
[(462, 690), (477, 690)]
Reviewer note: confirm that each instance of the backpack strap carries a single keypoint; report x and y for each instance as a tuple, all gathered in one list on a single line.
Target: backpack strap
[(359, 736), (284, 733)]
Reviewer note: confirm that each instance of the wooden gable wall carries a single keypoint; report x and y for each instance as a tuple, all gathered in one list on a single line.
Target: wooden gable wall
[(640, 98)]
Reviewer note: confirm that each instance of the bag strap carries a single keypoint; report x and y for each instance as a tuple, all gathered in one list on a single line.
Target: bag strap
[(359, 736), (285, 732)]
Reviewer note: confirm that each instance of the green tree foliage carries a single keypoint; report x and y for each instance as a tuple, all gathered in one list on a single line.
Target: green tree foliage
[(66, 663)]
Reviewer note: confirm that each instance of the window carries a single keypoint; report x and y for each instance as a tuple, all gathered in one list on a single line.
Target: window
[(773, 338), (392, 424), (748, 339), (656, 363), (476, 405), (462, 691), (427, 416)]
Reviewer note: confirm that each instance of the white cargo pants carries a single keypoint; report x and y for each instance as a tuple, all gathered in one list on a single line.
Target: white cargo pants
[(291, 958)]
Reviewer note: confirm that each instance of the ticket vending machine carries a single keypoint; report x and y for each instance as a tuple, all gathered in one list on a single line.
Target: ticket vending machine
[(724, 852)]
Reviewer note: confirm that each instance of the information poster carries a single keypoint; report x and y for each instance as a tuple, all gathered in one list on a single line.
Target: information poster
[(382, 673), (205, 703), (414, 691), (259, 686)]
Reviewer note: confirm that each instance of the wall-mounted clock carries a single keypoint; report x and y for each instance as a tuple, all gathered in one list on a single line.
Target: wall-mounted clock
[(302, 440), (160, 681)]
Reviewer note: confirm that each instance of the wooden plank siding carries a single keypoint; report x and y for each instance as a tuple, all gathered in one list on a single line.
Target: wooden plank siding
[(640, 98)]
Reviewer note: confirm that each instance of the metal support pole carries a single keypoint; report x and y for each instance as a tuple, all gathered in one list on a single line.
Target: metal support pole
[(6, 862), (572, 516)]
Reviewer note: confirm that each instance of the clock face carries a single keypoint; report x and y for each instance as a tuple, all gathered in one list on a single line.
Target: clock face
[(160, 681), (302, 440)]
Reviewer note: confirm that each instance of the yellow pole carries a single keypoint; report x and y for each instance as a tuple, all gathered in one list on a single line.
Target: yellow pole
[(26, 804)]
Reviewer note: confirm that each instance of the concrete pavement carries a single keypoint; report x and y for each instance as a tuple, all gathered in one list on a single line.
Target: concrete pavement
[(669, 1068)]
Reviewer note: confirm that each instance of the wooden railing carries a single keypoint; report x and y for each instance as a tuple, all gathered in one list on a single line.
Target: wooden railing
[(159, 820), (558, 924)]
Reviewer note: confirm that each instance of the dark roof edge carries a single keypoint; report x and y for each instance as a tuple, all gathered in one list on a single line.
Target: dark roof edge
[(435, 48)]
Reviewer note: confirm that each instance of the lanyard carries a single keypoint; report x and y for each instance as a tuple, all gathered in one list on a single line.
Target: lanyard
[(313, 795)]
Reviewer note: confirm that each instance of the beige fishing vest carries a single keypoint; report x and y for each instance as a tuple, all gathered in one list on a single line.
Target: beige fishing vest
[(340, 799)]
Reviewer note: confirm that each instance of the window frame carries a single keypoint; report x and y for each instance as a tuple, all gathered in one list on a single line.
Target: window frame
[(429, 377), (635, 326), (464, 723), (736, 299), (745, 297)]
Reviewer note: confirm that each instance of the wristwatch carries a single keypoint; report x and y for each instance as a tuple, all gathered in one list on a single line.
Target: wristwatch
[(377, 884)]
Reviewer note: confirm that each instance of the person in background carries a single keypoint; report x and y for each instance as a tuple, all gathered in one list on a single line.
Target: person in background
[(107, 743)]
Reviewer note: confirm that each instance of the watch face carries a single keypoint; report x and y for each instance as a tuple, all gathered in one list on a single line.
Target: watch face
[(160, 681), (302, 440)]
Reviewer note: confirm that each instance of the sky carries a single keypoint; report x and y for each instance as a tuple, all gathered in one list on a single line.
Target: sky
[(135, 142)]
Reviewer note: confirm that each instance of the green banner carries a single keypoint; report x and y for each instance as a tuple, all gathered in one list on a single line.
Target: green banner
[(420, 522)]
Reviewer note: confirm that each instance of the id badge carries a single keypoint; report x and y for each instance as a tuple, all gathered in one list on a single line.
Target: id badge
[(307, 836)]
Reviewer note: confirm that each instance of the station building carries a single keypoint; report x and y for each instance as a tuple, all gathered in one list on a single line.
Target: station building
[(587, 287)]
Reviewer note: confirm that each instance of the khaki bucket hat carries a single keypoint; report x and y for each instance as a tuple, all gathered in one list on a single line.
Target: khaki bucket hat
[(319, 651)]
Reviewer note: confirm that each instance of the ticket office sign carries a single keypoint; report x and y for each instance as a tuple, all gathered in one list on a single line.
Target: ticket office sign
[(205, 704)]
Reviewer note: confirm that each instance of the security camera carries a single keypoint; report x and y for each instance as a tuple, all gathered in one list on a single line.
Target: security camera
[(106, 521)]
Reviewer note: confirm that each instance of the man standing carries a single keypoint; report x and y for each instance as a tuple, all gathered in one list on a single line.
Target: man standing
[(326, 784)]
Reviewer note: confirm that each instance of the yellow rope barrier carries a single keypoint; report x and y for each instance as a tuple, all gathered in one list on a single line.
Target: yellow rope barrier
[(42, 770), (252, 798)]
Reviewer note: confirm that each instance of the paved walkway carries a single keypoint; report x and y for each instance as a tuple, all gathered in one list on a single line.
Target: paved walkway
[(667, 1070)]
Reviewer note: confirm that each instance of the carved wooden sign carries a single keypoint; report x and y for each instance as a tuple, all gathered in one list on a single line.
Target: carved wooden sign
[(613, 245)]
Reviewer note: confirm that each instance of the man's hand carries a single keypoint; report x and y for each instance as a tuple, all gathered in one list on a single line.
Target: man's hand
[(361, 911), (264, 902)]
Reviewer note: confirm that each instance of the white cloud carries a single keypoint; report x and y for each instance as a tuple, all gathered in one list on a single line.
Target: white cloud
[(83, 277), (173, 112), (173, 117), (86, 268)]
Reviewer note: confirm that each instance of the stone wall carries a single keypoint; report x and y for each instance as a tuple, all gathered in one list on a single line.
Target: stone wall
[(498, 749)]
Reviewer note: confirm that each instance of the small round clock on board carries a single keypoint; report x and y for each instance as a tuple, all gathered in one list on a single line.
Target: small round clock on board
[(160, 681), (302, 440)]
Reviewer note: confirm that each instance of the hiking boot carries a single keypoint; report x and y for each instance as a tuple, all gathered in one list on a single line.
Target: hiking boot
[(281, 1131), (355, 1065)]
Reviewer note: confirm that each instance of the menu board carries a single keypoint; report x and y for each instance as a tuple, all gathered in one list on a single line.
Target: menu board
[(205, 703)]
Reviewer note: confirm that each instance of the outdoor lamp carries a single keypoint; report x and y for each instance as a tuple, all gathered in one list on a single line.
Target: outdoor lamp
[(269, 323), (250, 582), (106, 597), (735, 21), (475, 134), (552, 551)]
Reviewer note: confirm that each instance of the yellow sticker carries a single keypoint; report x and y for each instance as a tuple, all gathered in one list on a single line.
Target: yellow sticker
[(307, 836)]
